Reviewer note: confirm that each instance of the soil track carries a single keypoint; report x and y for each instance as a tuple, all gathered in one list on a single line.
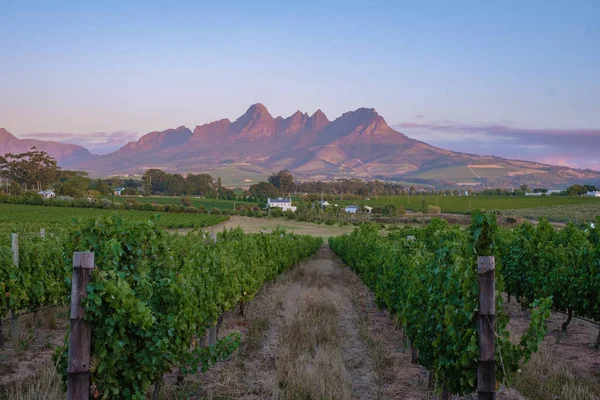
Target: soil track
[(322, 337)]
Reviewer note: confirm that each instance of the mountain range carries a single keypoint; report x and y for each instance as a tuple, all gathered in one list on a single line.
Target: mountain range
[(357, 144)]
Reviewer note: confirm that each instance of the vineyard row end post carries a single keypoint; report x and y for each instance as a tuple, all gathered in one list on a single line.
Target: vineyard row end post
[(14, 317), (486, 321), (80, 333)]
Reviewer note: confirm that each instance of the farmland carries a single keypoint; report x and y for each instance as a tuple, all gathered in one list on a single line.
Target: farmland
[(44, 216), (463, 204), (562, 213), (196, 202), (298, 333)]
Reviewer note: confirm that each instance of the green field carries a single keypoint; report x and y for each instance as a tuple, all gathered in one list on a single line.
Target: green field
[(206, 203), (48, 216), (464, 204), (237, 174), (564, 213)]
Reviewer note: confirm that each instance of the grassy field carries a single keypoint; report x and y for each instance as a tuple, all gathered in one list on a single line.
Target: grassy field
[(562, 213), (234, 175), (463, 204), (254, 225), (47, 216), (206, 203)]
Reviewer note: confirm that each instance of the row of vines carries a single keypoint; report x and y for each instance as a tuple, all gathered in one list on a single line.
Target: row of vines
[(427, 277), (152, 294), (540, 261), (39, 278)]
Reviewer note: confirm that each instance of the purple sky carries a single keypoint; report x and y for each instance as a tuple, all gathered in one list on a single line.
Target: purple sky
[(579, 148), (522, 74)]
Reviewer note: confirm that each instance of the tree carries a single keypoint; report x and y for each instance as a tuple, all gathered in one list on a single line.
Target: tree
[(74, 186), (263, 189), (156, 179), (101, 187), (34, 169), (283, 180), (174, 185), (576, 190), (219, 186), (201, 184), (389, 210)]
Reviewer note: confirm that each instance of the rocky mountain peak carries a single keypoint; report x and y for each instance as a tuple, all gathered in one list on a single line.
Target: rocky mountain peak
[(255, 123)]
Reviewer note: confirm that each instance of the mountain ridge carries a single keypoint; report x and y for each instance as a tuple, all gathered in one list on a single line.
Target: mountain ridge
[(64, 153), (357, 144)]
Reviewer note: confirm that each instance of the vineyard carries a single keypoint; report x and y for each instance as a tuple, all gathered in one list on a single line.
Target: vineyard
[(151, 295), (427, 277), (539, 261), (35, 217), (196, 202)]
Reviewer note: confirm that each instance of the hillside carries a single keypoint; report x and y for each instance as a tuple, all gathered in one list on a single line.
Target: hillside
[(65, 154), (358, 144)]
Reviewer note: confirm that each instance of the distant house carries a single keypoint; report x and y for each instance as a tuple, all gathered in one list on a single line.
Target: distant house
[(593, 194), (352, 209), (47, 194), (284, 204), (118, 191)]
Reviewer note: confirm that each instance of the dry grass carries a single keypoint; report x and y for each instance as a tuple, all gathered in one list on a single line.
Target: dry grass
[(43, 384), (257, 329), (315, 334), (310, 363), (547, 377), (38, 336)]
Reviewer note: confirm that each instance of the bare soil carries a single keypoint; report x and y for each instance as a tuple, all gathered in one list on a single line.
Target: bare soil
[(21, 359), (574, 346)]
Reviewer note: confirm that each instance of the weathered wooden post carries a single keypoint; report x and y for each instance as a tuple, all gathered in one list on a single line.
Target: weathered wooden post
[(80, 335), (14, 318), (486, 367), (212, 335)]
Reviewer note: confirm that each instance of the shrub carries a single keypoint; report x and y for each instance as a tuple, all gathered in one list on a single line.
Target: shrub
[(434, 210), (215, 211), (185, 201)]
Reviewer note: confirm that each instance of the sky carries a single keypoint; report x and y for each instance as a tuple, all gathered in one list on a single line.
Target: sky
[(449, 73)]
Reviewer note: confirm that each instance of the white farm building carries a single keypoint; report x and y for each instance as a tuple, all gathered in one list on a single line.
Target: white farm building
[(47, 194), (352, 209), (284, 204), (594, 194)]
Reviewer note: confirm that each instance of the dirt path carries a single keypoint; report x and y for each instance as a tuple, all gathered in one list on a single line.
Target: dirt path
[(316, 333)]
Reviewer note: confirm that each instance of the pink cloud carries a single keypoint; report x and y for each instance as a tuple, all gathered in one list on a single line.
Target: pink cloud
[(570, 147)]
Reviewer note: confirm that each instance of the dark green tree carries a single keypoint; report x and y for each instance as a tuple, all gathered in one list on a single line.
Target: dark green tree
[(33, 169)]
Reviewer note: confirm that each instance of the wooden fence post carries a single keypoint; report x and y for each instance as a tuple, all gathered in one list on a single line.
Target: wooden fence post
[(80, 336), (212, 335), (486, 321), (14, 318)]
